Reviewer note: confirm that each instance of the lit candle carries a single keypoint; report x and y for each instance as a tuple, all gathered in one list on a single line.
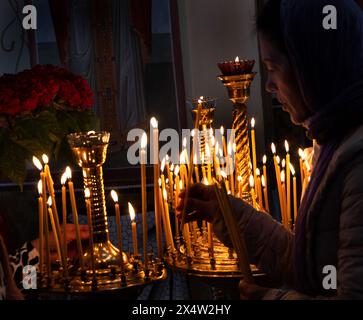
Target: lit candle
[(267, 206), (252, 184), (224, 176), (288, 186), (259, 187), (284, 215), (64, 212), (253, 139), (41, 227), (301, 162), (133, 227), (177, 192), (224, 145), (230, 166), (87, 195), (292, 169), (155, 148), (143, 197), (196, 169), (264, 160), (278, 175), (114, 196), (167, 220), (75, 216), (217, 166)]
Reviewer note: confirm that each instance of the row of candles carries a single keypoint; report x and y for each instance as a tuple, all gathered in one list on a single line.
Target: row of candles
[(47, 210), (216, 162)]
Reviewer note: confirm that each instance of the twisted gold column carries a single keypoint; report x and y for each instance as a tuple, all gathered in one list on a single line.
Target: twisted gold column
[(238, 87)]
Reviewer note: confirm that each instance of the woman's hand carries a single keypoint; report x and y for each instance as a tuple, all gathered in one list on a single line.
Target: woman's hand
[(251, 291), (72, 252), (201, 203)]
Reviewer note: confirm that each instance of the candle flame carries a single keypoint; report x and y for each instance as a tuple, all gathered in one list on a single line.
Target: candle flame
[(167, 158), (131, 211), (69, 172), (286, 146), (264, 159), (273, 148), (223, 174), (263, 181), (37, 163), (237, 59), (213, 140), (195, 159), (40, 187), (159, 181), (182, 158), (144, 141), (216, 148), (205, 181), (45, 158), (165, 195), (64, 178), (192, 133), (200, 101), (252, 181), (292, 169), (114, 196), (167, 181), (239, 178), (302, 154), (221, 153), (253, 123), (283, 163), (282, 176), (222, 130), (154, 123), (201, 98), (180, 184), (176, 170), (307, 166), (278, 159), (87, 193), (184, 142), (229, 148), (234, 147), (162, 166), (172, 167), (207, 151), (258, 173), (91, 132), (49, 202)]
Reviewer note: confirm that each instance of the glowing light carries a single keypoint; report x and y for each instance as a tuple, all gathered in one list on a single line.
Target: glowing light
[(114, 195), (282, 176), (176, 170), (252, 181), (273, 148), (64, 178), (292, 169), (37, 163), (131, 211), (144, 141), (286, 146), (45, 158), (258, 172), (264, 159), (87, 193), (162, 166), (40, 187), (253, 123), (154, 123), (49, 202), (205, 181), (263, 181), (237, 59)]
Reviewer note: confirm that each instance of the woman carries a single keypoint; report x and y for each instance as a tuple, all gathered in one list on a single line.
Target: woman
[(317, 74)]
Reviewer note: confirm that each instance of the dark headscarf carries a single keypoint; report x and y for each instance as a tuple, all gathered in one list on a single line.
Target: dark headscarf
[(328, 66)]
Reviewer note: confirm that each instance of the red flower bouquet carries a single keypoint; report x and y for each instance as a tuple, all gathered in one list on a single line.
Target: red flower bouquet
[(38, 108)]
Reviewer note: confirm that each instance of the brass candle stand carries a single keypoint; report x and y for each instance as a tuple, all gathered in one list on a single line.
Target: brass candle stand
[(238, 87), (102, 267)]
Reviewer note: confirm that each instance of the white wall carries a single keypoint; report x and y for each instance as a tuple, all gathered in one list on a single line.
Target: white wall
[(214, 31), (13, 33)]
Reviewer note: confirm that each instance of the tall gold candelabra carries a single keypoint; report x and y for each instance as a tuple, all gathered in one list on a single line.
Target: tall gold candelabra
[(238, 87)]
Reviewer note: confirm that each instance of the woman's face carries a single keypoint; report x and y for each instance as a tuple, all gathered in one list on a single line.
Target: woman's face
[(282, 82)]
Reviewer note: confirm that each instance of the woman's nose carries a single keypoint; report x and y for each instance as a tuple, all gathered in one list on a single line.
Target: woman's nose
[(270, 86)]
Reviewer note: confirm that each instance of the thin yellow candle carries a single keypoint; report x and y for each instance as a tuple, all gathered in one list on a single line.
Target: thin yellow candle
[(39, 166), (259, 187), (230, 166), (177, 192), (167, 220), (278, 175), (224, 145), (226, 183), (264, 160), (301, 162), (209, 167), (155, 150), (87, 195), (166, 227), (285, 220), (64, 212), (265, 194), (292, 169), (143, 197), (114, 196), (75, 216), (252, 184), (253, 140), (288, 186), (196, 169), (41, 227), (133, 227), (217, 166)]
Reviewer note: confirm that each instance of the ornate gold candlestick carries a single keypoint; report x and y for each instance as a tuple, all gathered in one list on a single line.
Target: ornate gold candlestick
[(238, 87), (90, 151)]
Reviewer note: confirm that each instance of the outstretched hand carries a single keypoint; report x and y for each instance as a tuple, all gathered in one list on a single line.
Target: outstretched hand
[(201, 203)]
